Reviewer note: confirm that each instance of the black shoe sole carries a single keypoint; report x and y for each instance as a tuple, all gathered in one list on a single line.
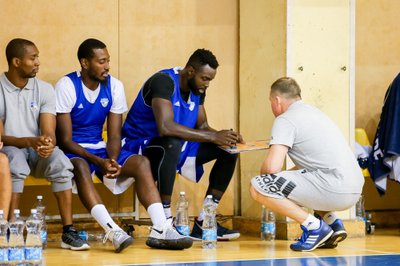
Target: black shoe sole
[(124, 245), (333, 241), (169, 244)]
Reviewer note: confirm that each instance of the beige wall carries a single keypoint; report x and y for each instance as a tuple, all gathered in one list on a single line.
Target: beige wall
[(377, 64), (143, 36), (262, 61)]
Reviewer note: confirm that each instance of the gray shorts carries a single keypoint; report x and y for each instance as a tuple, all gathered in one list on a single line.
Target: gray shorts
[(303, 188), (57, 168)]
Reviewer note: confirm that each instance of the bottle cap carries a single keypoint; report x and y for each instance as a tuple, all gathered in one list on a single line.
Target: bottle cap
[(182, 193), (39, 197), (16, 211), (209, 196), (33, 211)]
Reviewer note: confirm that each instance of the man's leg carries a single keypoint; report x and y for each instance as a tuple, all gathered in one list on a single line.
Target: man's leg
[(164, 154), (163, 235), (57, 168), (220, 177), (91, 199), (5, 185), (282, 193), (19, 169)]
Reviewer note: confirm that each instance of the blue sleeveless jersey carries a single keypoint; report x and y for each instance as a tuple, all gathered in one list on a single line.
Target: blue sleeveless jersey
[(140, 123), (140, 127), (88, 118)]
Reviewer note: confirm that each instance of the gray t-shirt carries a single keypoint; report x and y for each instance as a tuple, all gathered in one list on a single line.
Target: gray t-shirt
[(317, 145), (20, 108)]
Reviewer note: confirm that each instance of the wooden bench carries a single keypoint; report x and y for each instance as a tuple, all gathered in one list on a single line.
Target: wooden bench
[(32, 181)]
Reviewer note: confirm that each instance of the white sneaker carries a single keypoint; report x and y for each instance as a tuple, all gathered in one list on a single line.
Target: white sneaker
[(119, 238), (168, 238)]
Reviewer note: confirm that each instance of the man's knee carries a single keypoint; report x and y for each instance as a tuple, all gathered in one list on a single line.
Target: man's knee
[(254, 193)]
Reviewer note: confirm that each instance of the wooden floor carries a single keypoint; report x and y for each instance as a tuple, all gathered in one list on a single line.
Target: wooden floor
[(245, 249)]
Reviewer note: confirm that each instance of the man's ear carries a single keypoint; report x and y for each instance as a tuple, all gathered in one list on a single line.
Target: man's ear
[(84, 63), (191, 71), (15, 62)]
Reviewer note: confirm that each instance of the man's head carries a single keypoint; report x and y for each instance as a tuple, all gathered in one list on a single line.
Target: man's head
[(283, 93), (201, 68), (94, 59), (23, 57)]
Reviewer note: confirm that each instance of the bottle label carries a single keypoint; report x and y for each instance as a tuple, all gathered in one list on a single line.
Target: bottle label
[(83, 235), (183, 229), (3, 254), (43, 236), (33, 253), (209, 235), (16, 253), (269, 228)]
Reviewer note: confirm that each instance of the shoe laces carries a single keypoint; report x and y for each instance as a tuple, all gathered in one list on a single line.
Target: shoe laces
[(116, 233), (304, 236)]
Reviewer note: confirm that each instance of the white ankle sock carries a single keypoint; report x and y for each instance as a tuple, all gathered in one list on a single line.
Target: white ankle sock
[(329, 217), (102, 216), (156, 213), (311, 223)]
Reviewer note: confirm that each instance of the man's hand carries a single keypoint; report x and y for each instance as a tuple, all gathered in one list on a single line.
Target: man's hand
[(43, 145), (227, 137), (110, 168), (1, 145)]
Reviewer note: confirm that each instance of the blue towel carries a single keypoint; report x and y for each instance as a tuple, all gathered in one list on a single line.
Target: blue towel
[(386, 145)]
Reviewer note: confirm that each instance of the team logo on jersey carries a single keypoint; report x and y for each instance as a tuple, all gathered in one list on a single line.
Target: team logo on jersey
[(34, 106), (80, 106), (177, 103), (104, 102)]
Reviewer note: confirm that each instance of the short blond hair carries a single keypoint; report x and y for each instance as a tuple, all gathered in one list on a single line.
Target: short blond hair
[(286, 87)]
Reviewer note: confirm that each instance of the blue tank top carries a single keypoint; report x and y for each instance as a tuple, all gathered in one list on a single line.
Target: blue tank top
[(88, 118), (140, 122)]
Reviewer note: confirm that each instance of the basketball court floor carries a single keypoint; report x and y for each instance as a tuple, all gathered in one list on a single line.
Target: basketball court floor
[(382, 248)]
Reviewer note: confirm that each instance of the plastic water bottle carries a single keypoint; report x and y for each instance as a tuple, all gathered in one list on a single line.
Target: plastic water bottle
[(91, 236), (33, 245), (182, 216), (3, 240), (360, 210), (268, 224), (41, 210), (209, 238), (16, 252)]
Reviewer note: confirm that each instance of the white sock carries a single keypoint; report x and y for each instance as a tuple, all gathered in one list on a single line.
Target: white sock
[(201, 214), (311, 223), (101, 215), (156, 213), (167, 212), (329, 218)]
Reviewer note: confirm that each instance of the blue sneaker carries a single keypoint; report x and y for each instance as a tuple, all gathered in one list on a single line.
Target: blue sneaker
[(311, 239), (339, 234)]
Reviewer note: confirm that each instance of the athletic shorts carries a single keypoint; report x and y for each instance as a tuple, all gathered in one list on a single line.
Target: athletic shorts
[(303, 188), (115, 185)]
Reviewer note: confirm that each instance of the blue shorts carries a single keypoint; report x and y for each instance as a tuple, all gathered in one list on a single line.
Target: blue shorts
[(102, 153)]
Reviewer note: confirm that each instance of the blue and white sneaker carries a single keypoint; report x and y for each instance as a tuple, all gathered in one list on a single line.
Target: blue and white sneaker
[(311, 239), (339, 234)]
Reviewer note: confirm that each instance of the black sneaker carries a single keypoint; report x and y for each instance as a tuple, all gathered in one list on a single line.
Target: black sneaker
[(71, 240), (223, 234)]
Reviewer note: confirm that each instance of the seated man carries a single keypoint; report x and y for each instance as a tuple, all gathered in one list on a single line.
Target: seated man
[(168, 123), (85, 99), (5, 180), (329, 178), (29, 116)]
